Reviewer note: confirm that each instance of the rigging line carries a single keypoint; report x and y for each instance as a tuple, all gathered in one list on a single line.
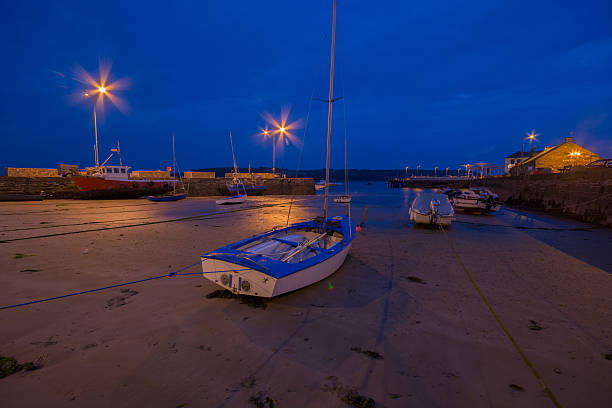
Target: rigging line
[(518, 348), (297, 171), (195, 217), (167, 275)]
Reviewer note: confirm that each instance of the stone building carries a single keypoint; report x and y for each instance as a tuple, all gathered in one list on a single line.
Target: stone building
[(518, 157), (558, 158)]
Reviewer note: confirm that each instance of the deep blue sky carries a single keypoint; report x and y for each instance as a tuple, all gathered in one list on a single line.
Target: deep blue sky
[(432, 83)]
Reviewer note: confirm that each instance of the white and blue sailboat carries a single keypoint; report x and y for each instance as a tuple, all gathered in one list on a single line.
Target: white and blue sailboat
[(287, 259), (236, 186)]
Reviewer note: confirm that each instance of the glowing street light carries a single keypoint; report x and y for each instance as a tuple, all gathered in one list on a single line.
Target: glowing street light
[(531, 136), (435, 171), (102, 87), (281, 134), (406, 171), (447, 172)]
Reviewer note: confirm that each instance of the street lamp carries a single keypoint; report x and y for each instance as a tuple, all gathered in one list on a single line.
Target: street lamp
[(406, 171), (531, 136), (101, 89), (447, 172), (418, 167), (435, 171), (283, 129)]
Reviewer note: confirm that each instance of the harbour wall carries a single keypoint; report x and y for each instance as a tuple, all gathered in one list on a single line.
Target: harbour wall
[(582, 193), (278, 186), (63, 187)]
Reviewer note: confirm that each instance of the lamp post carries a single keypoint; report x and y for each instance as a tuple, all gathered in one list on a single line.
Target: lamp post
[(406, 171), (435, 171), (447, 172), (418, 167), (102, 91)]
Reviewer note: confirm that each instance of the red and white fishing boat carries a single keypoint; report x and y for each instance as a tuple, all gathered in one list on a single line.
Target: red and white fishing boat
[(112, 182)]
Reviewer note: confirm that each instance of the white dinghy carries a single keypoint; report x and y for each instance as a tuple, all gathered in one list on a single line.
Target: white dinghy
[(287, 259), (432, 209), (468, 201), (491, 199)]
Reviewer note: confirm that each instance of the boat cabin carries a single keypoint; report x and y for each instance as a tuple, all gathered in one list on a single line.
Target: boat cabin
[(115, 172)]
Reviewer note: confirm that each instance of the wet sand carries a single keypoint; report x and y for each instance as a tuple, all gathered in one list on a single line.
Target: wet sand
[(400, 322)]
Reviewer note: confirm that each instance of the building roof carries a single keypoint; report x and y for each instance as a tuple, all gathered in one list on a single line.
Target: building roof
[(520, 154)]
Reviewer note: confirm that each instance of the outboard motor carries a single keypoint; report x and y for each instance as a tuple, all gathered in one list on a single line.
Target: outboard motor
[(434, 207)]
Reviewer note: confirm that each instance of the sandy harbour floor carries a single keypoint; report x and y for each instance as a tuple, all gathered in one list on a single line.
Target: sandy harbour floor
[(400, 322)]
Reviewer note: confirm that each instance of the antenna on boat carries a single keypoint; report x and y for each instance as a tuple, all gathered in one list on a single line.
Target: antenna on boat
[(329, 112)]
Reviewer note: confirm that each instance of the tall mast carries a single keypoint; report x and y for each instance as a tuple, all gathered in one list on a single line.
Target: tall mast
[(173, 162), (233, 156), (329, 112)]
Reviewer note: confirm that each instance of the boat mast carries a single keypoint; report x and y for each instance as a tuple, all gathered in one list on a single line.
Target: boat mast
[(173, 163), (329, 112), (233, 156), (345, 149)]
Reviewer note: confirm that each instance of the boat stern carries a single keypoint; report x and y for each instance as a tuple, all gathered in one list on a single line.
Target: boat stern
[(237, 278)]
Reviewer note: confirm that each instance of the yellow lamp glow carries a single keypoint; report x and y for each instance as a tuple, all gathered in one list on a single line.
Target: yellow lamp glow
[(102, 89)]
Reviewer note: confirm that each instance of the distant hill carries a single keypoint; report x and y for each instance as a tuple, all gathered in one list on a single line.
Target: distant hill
[(334, 174)]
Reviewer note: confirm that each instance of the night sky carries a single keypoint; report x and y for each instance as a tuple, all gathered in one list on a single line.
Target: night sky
[(437, 83)]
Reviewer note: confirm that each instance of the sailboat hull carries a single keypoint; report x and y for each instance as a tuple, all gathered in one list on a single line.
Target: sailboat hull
[(264, 285), (239, 199), (174, 197), (230, 268)]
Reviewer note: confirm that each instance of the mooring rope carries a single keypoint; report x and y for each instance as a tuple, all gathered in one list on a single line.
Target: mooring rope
[(518, 348), (178, 272), (190, 218)]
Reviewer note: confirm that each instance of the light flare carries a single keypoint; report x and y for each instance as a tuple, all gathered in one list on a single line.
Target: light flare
[(101, 88), (282, 130)]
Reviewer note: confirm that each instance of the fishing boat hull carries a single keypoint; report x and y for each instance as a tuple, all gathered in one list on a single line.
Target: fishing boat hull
[(174, 197), (266, 277), (99, 188), (239, 199)]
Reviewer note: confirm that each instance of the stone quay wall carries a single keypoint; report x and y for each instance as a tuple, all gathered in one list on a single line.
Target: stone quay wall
[(583, 193), (29, 172), (53, 187), (63, 187), (279, 186)]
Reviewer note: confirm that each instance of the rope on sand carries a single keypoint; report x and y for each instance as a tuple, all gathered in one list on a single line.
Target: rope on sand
[(179, 272), (518, 348)]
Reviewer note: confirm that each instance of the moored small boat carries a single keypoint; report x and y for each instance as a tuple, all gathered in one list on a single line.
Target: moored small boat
[(491, 199), (343, 199), (432, 208), (237, 199), (281, 261), (468, 201), (172, 197)]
